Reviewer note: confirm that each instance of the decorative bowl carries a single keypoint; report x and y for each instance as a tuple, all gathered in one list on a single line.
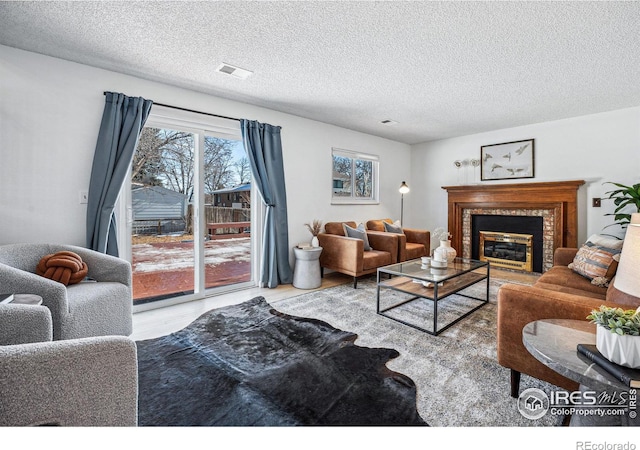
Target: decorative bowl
[(437, 263)]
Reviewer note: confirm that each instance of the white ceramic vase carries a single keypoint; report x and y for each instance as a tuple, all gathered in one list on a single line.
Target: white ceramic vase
[(314, 242), (445, 252), (623, 350)]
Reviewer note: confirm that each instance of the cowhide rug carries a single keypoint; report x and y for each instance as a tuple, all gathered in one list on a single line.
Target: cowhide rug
[(250, 365)]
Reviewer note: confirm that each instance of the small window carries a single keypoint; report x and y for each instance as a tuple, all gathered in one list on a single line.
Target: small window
[(354, 177)]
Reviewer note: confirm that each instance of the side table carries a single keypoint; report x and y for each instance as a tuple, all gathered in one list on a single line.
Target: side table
[(554, 343), (306, 274), (20, 299), (26, 299)]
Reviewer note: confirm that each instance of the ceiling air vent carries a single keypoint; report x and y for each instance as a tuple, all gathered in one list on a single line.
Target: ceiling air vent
[(234, 71)]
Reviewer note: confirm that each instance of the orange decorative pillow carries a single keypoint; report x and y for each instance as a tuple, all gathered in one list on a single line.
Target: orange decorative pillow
[(64, 267)]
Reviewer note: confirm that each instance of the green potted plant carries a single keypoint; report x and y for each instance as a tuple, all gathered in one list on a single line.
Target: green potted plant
[(618, 334), (623, 197)]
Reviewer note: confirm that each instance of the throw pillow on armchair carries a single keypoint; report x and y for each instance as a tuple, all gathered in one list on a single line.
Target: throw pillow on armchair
[(413, 243), (64, 267)]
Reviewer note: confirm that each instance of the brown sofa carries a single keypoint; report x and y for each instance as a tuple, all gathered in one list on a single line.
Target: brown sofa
[(411, 245), (559, 293), (346, 255)]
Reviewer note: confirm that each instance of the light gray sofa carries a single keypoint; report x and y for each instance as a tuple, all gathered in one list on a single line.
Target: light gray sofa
[(77, 382), (90, 308)]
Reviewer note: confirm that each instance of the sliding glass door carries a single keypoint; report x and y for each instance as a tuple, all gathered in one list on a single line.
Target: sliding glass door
[(188, 208)]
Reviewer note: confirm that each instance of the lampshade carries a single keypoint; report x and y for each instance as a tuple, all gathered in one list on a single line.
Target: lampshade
[(404, 188), (628, 274)]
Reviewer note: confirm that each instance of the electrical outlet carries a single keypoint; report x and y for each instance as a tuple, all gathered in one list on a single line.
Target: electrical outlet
[(84, 197), (596, 202)]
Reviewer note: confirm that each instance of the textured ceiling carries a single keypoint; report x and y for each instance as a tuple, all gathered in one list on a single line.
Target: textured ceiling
[(440, 69)]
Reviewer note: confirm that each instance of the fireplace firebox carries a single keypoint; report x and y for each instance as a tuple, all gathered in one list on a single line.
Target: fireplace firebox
[(508, 250), (510, 226)]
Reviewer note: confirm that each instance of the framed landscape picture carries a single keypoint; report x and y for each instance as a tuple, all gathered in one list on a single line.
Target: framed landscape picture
[(508, 160)]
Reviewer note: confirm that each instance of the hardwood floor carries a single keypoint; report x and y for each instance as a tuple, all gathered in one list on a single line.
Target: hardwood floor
[(514, 276), (162, 321)]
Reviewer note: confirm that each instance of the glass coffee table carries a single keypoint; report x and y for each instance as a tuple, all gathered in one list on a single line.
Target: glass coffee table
[(418, 295)]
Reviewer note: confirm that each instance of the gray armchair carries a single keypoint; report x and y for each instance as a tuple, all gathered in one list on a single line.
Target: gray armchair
[(77, 382), (89, 308)]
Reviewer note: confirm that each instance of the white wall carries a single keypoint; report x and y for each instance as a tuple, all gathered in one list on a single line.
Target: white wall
[(595, 148), (50, 112)]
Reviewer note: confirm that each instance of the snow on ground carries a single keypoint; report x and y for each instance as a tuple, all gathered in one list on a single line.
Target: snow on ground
[(171, 256)]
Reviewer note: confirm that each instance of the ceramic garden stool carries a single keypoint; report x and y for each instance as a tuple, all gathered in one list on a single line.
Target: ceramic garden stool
[(306, 274)]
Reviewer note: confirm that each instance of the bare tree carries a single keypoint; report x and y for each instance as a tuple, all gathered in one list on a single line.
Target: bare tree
[(364, 177), (243, 170), (177, 165), (147, 160), (218, 159), (167, 158)]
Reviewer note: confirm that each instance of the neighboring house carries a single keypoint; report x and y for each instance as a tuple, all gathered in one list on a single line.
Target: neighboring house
[(341, 183), (236, 197), (157, 210), (157, 203)]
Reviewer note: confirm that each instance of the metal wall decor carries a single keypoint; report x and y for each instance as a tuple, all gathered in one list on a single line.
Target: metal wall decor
[(508, 160)]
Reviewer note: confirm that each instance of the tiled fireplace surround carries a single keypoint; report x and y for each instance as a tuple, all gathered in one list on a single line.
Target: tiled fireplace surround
[(548, 220), (555, 202)]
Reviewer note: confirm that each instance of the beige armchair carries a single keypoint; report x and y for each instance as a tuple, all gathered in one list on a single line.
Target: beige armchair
[(412, 244), (347, 255)]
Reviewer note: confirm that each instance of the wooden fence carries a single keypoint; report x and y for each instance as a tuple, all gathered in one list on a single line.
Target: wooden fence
[(220, 214), (213, 214), (157, 227)]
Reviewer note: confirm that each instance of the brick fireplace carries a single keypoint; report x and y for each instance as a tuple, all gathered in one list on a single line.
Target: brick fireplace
[(555, 202)]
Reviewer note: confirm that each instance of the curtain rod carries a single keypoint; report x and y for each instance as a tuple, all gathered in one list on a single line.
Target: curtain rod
[(198, 112), (192, 110)]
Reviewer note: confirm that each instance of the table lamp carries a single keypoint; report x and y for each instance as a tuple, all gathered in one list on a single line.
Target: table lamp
[(628, 274)]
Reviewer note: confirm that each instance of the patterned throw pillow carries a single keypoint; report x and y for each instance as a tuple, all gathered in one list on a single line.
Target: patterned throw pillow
[(597, 260), (392, 228), (604, 241), (358, 233)]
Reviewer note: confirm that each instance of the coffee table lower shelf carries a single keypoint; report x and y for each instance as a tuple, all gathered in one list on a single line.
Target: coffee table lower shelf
[(434, 294)]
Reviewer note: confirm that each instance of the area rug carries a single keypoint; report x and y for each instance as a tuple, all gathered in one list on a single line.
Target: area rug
[(251, 365), (459, 381)]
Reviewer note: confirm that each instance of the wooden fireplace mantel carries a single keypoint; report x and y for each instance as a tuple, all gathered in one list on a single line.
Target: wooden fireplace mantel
[(562, 196)]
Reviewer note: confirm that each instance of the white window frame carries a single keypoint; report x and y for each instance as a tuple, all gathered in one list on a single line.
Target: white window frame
[(200, 125), (375, 188)]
